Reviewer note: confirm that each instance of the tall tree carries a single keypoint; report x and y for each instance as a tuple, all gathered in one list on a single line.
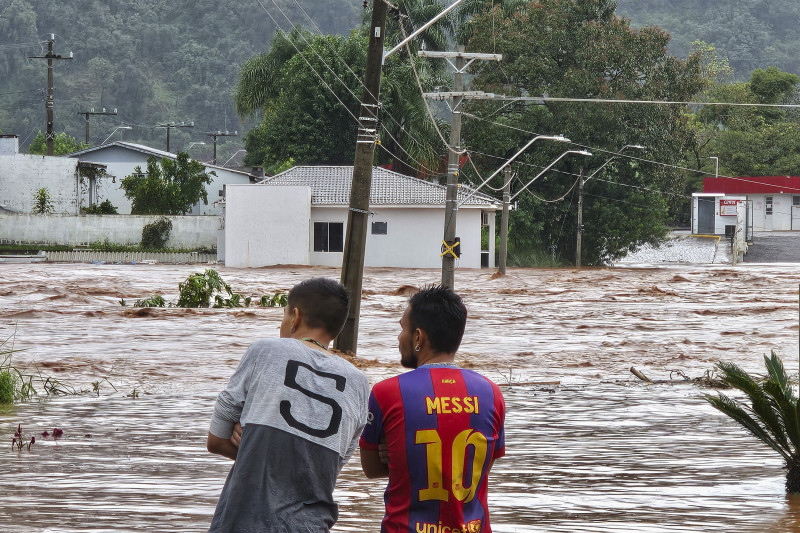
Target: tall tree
[(307, 90), (168, 187), (580, 49), (750, 141)]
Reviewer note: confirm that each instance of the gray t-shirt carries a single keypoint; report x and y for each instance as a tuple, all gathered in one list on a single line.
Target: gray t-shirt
[(302, 412)]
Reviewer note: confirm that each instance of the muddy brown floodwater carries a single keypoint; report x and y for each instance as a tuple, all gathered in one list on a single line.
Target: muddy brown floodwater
[(600, 451)]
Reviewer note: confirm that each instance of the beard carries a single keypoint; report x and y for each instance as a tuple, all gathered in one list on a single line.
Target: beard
[(408, 359)]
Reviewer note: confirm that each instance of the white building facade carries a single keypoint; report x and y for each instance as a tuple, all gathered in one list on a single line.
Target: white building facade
[(21, 175), (300, 217), (121, 160)]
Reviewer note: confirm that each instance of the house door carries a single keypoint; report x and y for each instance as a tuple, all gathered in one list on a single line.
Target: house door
[(795, 218), (705, 216)]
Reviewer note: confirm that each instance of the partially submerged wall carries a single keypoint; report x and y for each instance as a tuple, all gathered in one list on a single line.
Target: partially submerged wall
[(188, 232)]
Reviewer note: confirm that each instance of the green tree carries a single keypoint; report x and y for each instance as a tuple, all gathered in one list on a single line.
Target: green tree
[(749, 141), (773, 416), (310, 120), (168, 187), (580, 49), (63, 144)]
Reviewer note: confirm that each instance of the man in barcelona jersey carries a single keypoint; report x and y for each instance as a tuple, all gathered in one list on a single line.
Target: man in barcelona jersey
[(442, 426)]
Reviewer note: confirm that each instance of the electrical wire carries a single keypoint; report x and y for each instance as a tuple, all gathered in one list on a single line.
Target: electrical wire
[(361, 83)]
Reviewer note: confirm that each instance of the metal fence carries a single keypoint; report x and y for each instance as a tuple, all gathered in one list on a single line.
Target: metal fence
[(91, 256)]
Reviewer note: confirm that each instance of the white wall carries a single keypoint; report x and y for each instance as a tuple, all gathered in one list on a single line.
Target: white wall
[(21, 175), (121, 162), (188, 232), (413, 238), (266, 225)]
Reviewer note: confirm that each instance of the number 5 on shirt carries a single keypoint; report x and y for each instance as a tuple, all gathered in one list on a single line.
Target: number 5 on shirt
[(433, 452)]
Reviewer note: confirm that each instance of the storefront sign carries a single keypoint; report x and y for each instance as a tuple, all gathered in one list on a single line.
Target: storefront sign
[(727, 208)]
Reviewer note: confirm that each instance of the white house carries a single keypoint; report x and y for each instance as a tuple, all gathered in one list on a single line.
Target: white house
[(300, 217), (121, 158), (21, 175)]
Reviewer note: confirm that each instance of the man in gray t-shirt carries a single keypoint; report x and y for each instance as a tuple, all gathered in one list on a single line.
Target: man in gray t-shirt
[(301, 409)]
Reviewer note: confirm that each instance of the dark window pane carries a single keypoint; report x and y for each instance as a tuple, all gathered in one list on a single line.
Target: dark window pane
[(336, 237), (320, 236), (379, 228)]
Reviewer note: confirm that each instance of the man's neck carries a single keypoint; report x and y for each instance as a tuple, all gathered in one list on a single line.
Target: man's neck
[(433, 358)]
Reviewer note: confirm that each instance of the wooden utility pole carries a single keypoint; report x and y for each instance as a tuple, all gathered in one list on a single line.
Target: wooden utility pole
[(171, 125), (507, 174), (462, 61), (356, 236), (579, 232), (50, 56), (87, 114), (214, 135)]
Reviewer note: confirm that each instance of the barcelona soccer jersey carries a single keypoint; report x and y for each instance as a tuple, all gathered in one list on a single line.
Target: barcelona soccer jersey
[(443, 428)]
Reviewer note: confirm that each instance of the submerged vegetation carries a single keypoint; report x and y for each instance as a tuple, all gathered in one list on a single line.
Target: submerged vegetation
[(773, 416), (17, 384), (208, 289)]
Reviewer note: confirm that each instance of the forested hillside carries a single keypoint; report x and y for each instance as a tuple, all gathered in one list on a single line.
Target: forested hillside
[(751, 33), (159, 61), (155, 61)]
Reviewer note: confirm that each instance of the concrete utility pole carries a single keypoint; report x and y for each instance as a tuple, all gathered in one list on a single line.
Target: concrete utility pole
[(87, 114), (581, 183), (214, 135), (504, 220), (175, 125), (449, 242), (579, 233), (356, 237), (50, 56)]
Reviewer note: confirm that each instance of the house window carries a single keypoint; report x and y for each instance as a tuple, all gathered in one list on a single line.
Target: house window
[(768, 205), (379, 228), (328, 236), (796, 200)]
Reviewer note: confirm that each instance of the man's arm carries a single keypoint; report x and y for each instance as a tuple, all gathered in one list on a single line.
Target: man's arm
[(372, 465), (221, 446)]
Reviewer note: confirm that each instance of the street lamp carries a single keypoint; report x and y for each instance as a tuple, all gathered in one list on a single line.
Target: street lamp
[(581, 182), (559, 138), (231, 157), (716, 165), (192, 144), (115, 131)]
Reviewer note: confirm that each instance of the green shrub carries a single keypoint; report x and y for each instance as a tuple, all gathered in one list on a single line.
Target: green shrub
[(103, 208), (156, 234), (42, 202), (8, 386)]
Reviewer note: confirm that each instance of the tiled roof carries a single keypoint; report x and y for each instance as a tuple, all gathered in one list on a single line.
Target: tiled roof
[(330, 185), (149, 151)]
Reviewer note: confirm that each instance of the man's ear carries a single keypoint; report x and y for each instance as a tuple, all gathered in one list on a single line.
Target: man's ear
[(297, 318), (420, 337)]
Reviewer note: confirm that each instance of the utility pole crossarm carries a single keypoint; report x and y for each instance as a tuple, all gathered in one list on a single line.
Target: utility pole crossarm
[(214, 135), (91, 112)]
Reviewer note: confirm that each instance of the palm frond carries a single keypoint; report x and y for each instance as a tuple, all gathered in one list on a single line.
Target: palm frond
[(765, 408), (787, 412), (777, 373), (733, 410)]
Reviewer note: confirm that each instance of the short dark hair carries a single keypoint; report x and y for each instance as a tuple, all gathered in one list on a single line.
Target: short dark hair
[(440, 313), (323, 303)]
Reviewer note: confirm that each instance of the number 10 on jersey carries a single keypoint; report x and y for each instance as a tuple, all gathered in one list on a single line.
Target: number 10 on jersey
[(433, 453)]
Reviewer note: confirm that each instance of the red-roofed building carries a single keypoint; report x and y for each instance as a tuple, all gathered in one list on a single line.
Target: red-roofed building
[(773, 203)]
